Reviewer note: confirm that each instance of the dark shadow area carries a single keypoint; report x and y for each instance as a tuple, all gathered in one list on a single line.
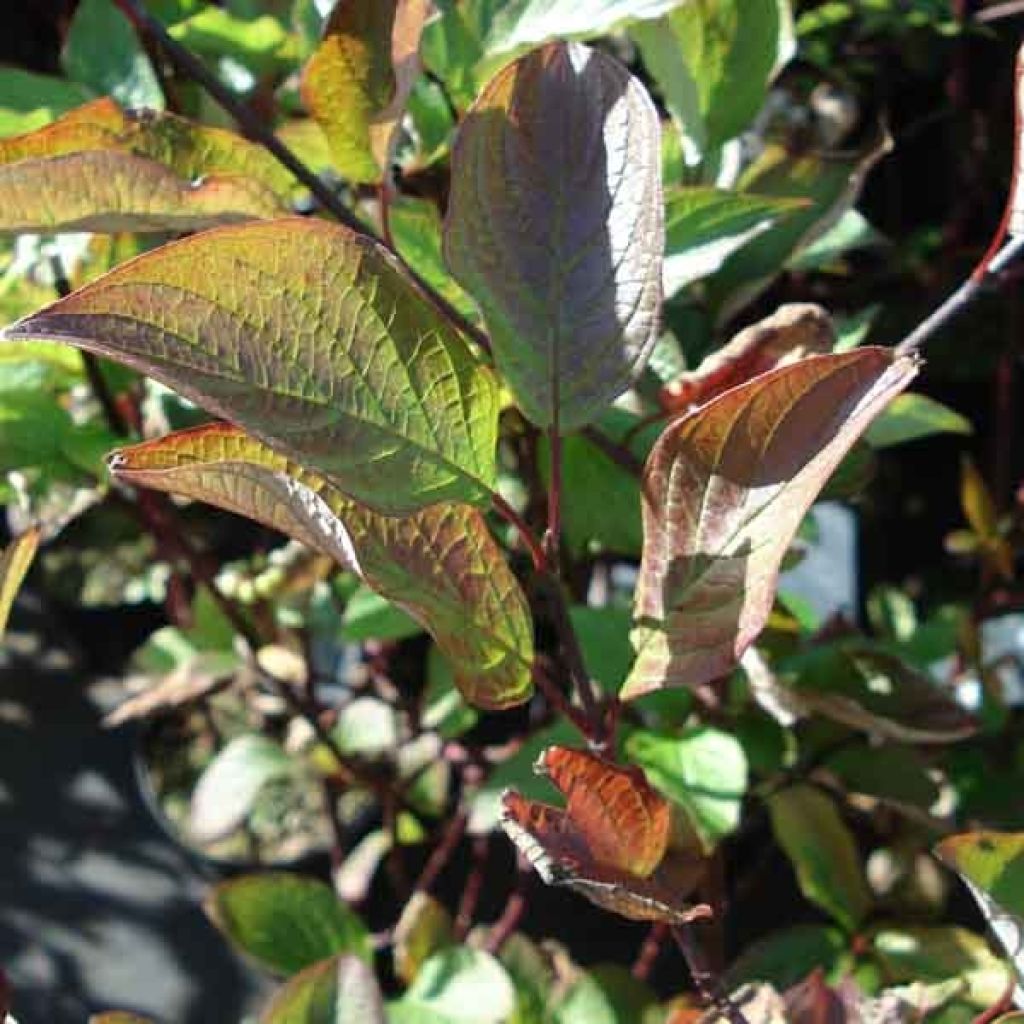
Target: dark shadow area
[(98, 909)]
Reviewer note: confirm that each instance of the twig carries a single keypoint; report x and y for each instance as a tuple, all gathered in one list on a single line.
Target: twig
[(560, 702), (510, 515), (617, 453), (649, 951), (442, 852), (553, 535), (704, 978), (510, 917), (474, 886)]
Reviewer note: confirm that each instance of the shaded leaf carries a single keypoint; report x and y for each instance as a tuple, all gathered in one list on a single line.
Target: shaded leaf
[(457, 986), (101, 168), (310, 337), (357, 82), (704, 770), (103, 51), (822, 851), (738, 475), (29, 101), (910, 417), (713, 60), (441, 564), (603, 634), (341, 990), (786, 956), (424, 928), (794, 331), (887, 771), (286, 922), (369, 616), (15, 560), (704, 226), (231, 782), (555, 226)]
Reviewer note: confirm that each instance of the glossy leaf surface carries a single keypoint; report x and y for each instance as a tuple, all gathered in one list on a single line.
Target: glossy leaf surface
[(101, 168), (341, 990), (286, 922), (312, 339), (555, 226), (357, 82), (440, 564), (15, 560), (725, 490)]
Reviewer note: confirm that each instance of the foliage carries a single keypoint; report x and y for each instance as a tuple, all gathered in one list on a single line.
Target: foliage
[(503, 353)]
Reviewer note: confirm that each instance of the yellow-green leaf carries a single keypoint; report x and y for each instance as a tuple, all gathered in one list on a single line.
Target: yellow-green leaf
[(342, 990), (310, 337), (101, 168), (440, 564), (15, 560), (725, 489), (357, 82), (556, 228)]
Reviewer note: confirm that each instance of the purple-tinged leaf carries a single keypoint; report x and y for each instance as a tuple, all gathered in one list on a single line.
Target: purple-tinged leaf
[(555, 227), (725, 489)]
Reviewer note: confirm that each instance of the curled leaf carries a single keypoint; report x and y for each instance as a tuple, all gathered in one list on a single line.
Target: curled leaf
[(440, 564), (555, 226), (310, 337), (725, 490), (101, 168), (357, 82), (15, 560)]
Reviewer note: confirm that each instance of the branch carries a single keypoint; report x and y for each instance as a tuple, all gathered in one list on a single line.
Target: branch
[(704, 978)]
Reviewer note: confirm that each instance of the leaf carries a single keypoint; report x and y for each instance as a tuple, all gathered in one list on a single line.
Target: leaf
[(115, 1017), (102, 51), (786, 956), (101, 168), (829, 182), (458, 985), (358, 81), (424, 928), (28, 100), (369, 616), (794, 331), (231, 782), (713, 60), (310, 337), (738, 475), (910, 417), (822, 851), (259, 43), (286, 922), (704, 226), (441, 564), (341, 990), (15, 560), (603, 635), (704, 770), (555, 227), (887, 771)]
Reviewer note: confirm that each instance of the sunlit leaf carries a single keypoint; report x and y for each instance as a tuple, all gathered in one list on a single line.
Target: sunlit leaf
[(424, 928), (230, 783), (260, 43), (822, 851), (286, 922), (738, 475), (310, 337), (555, 226), (15, 560), (792, 332), (910, 417), (704, 226), (440, 564), (29, 100), (341, 990), (101, 168), (713, 60), (457, 986), (102, 51), (357, 82)]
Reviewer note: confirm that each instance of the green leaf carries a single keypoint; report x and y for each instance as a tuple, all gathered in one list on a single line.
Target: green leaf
[(15, 560), (458, 985), (310, 337), (713, 60), (342, 990), (101, 168), (888, 771), (910, 417), (369, 616), (920, 954), (357, 82), (586, 1002), (423, 929), (555, 227), (287, 922), (738, 475), (29, 101), (441, 564), (603, 634), (703, 770), (704, 226), (261, 43), (822, 851), (230, 783), (786, 957), (445, 710), (103, 52), (829, 182)]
